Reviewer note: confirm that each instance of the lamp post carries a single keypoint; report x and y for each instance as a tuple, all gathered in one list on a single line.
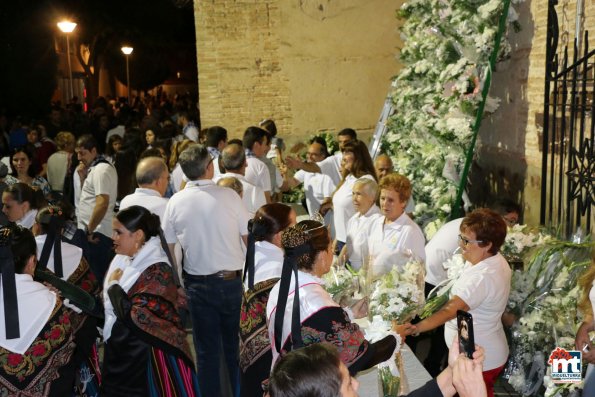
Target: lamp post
[(67, 27), (127, 51)]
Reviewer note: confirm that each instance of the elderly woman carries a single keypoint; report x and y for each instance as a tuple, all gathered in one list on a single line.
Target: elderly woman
[(365, 192), (21, 203), (24, 170), (482, 289), (300, 311), (394, 238), (356, 163), (264, 260)]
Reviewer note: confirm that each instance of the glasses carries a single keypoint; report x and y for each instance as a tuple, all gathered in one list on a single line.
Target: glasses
[(466, 241)]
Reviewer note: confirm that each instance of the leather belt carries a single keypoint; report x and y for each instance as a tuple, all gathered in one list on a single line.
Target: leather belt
[(223, 274)]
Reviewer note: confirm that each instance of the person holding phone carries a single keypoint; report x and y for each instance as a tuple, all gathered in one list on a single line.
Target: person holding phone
[(482, 289)]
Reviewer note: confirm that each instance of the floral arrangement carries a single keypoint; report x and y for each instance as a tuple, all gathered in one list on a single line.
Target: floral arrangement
[(399, 295), (520, 238), (544, 298), (436, 95), (438, 297), (339, 281)]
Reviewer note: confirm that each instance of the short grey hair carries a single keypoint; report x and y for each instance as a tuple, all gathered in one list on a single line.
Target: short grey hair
[(233, 157), (194, 161), (150, 170), (369, 185)]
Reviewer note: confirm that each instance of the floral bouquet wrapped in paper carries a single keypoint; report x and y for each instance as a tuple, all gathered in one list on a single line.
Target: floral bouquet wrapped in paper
[(519, 240), (340, 282), (396, 298), (441, 294)]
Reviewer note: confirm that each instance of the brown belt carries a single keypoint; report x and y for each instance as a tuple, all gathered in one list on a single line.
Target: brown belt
[(223, 274)]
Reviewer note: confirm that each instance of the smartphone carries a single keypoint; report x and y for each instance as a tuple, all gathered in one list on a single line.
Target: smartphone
[(466, 337)]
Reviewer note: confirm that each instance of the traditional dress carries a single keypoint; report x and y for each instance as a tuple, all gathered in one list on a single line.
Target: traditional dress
[(146, 351), (255, 347), (323, 320), (40, 361), (75, 269)]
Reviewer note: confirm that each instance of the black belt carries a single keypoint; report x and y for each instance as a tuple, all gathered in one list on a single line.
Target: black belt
[(223, 274)]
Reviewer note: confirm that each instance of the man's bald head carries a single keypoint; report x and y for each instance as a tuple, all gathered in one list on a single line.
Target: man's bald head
[(233, 157), (383, 165), (151, 172)]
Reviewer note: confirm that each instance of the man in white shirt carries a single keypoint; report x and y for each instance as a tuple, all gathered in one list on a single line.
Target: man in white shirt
[(189, 129), (256, 142), (95, 208), (330, 166), (210, 223), (317, 186), (234, 161), (216, 141), (152, 177)]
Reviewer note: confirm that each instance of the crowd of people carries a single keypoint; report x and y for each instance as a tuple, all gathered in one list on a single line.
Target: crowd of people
[(141, 226)]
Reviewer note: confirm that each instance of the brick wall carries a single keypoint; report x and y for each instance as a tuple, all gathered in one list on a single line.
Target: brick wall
[(309, 65)]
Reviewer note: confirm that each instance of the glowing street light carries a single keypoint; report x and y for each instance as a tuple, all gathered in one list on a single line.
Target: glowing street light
[(68, 27), (127, 51)]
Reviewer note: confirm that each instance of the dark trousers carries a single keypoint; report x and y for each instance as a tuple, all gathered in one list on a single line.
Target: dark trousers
[(100, 254), (438, 354), (214, 305)]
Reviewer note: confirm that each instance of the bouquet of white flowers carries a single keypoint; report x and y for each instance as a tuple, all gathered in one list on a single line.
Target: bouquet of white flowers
[(340, 282)]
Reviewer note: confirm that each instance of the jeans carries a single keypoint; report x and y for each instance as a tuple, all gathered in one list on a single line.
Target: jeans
[(100, 254), (214, 305)]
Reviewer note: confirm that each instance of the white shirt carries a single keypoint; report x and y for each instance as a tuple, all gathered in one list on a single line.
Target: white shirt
[(252, 196), (147, 198), (101, 179), (343, 208), (395, 243), (313, 298), (57, 168), (257, 173), (485, 288), (268, 262), (357, 236), (331, 166), (71, 256), (117, 130), (441, 248), (317, 187), (28, 220), (209, 221), (177, 177)]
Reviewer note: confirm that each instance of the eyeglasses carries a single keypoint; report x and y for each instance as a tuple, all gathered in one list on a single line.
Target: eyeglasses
[(466, 241)]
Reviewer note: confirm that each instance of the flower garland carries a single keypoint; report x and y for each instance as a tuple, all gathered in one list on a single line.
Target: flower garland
[(436, 95)]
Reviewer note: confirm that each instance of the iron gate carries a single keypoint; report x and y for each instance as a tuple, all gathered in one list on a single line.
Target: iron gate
[(568, 162)]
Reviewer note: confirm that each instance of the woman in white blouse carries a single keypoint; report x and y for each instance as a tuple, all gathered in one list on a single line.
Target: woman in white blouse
[(482, 289), (394, 238), (21, 203), (356, 163)]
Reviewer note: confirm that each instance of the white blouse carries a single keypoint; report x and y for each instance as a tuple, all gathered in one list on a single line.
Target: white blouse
[(343, 208), (268, 261), (485, 287)]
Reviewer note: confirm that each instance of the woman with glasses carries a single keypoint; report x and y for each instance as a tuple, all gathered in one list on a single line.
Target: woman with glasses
[(482, 289), (300, 312)]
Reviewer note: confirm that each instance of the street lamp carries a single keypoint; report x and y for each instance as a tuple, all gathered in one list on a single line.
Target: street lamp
[(67, 27), (127, 51)]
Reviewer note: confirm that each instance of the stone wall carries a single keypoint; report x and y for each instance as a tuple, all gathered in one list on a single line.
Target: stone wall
[(309, 65), (510, 154)]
